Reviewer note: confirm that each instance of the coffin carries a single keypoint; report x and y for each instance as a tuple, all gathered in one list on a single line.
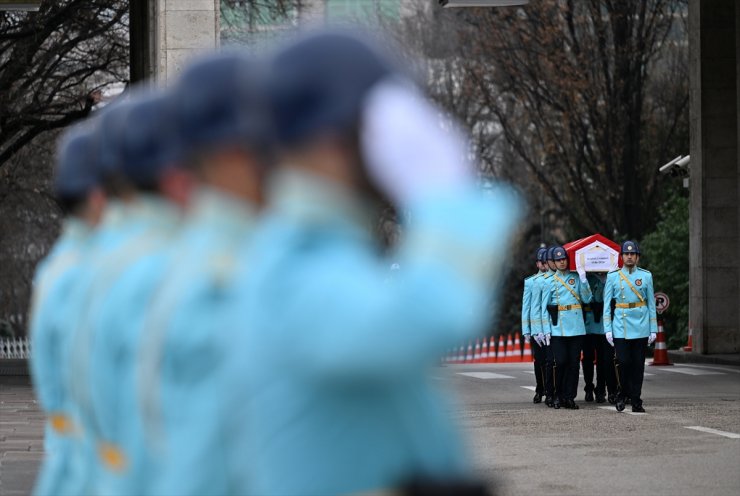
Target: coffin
[(595, 253)]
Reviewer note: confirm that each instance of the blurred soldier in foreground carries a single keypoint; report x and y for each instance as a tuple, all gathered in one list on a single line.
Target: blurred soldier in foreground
[(532, 324), (335, 358), (122, 281), (630, 322), (226, 134), (77, 189), (564, 298)]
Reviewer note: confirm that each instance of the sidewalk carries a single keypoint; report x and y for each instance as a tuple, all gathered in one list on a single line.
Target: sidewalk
[(680, 356), (21, 436)]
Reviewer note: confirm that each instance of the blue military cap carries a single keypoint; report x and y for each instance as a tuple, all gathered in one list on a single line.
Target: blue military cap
[(149, 143), (318, 85), (220, 100), (77, 170), (541, 254), (559, 253), (109, 125), (548, 256), (630, 247)]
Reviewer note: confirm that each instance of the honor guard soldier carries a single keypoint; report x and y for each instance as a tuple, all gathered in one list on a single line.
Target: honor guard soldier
[(336, 357), (222, 123), (563, 300), (78, 192), (122, 288), (543, 331), (596, 347), (630, 323), (532, 324)]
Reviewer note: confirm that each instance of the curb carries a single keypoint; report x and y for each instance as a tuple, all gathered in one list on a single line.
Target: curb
[(678, 356)]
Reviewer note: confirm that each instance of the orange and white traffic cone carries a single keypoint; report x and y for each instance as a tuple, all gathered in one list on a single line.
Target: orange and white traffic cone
[(476, 353), (501, 350), (491, 350), (509, 349), (484, 351), (461, 354), (469, 355), (527, 354), (660, 356), (517, 348), (690, 345)]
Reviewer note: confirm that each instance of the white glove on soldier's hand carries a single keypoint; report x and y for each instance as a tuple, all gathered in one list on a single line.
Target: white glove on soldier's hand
[(582, 275), (526, 338), (547, 339), (407, 153), (540, 338), (610, 338), (652, 338)]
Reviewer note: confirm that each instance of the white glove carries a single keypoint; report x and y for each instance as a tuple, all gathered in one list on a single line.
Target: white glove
[(526, 338), (582, 275), (652, 338), (540, 338), (407, 152), (610, 338), (547, 339)]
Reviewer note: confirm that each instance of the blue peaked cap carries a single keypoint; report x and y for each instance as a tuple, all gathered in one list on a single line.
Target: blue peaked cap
[(220, 101), (559, 253), (77, 170), (541, 254), (630, 247), (318, 85)]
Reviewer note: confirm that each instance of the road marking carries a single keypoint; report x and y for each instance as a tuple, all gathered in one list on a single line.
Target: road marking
[(485, 375), (731, 435), (612, 409), (681, 370), (531, 388), (723, 369)]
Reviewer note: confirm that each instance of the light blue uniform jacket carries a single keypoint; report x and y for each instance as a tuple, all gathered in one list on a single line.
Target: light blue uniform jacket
[(336, 356), (529, 283), (124, 290), (105, 241), (55, 277), (597, 291), (535, 307), (630, 323), (565, 289), (187, 343)]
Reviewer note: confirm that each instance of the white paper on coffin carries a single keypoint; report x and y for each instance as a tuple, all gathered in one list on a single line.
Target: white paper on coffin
[(597, 257)]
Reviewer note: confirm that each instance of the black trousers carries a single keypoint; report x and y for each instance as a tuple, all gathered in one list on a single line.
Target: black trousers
[(595, 346), (542, 368), (631, 364), (567, 355)]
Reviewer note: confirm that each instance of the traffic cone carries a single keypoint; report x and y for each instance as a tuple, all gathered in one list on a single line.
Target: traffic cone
[(690, 345), (461, 354), (527, 354), (501, 351), (491, 350), (484, 351), (517, 348), (660, 356), (476, 354), (509, 349), (469, 355)]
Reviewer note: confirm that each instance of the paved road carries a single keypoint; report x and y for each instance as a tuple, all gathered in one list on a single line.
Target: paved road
[(527, 448), (532, 449)]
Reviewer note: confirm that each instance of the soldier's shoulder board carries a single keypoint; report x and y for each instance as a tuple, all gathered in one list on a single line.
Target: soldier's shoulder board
[(530, 277), (640, 268), (613, 271)]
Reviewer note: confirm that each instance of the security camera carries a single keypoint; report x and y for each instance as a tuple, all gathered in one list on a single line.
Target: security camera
[(670, 165), (678, 167)]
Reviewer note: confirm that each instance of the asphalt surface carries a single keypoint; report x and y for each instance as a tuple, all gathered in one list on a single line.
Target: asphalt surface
[(531, 449), (523, 448)]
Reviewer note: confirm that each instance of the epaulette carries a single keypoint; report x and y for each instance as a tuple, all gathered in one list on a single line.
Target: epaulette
[(613, 271), (530, 277), (640, 268)]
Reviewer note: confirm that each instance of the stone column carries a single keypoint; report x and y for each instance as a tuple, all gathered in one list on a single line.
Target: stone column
[(184, 28), (714, 299)]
